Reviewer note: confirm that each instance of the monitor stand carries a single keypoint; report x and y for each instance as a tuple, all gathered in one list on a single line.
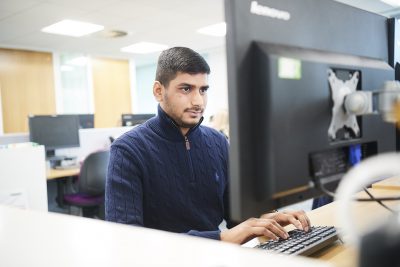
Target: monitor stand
[(53, 159)]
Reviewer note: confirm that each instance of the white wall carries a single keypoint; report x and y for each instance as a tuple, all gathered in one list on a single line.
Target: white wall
[(218, 92)]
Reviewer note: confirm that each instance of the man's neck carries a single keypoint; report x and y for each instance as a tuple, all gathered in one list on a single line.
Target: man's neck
[(184, 131)]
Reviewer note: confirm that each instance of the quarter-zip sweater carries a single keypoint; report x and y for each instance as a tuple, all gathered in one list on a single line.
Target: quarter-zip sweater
[(161, 179)]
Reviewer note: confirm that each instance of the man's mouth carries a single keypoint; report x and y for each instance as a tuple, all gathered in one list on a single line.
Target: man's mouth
[(195, 112)]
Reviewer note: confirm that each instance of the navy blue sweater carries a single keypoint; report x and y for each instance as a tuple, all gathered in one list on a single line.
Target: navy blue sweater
[(159, 180)]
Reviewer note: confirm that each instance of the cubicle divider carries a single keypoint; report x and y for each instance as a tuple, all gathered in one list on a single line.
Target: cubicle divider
[(92, 140), (23, 176), (13, 138)]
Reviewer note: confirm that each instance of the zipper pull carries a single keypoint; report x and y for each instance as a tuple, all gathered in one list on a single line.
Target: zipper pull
[(187, 143)]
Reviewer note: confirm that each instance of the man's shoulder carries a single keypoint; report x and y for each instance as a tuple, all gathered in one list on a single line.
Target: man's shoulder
[(132, 137), (212, 133)]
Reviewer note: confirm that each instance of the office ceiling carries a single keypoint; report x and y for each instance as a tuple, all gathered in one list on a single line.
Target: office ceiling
[(170, 22)]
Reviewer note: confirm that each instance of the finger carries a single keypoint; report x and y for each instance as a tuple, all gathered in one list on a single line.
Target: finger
[(308, 221), (275, 227), (262, 231), (303, 221), (272, 225), (295, 222), (278, 230)]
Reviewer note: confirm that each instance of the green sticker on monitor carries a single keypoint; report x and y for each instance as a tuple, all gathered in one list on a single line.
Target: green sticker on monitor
[(289, 68)]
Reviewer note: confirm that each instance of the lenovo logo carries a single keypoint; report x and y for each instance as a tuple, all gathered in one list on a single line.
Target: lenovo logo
[(257, 9)]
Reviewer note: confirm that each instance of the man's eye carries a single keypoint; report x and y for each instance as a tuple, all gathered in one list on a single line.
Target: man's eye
[(186, 89), (203, 90)]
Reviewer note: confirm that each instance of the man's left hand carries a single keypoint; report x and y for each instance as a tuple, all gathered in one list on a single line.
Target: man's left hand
[(298, 218)]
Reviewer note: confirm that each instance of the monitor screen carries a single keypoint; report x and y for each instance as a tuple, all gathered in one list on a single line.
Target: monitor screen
[(283, 62), (86, 121), (58, 131), (134, 119)]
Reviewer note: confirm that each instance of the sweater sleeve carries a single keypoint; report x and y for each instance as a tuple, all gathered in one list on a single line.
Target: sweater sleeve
[(123, 194), (226, 197), (206, 234)]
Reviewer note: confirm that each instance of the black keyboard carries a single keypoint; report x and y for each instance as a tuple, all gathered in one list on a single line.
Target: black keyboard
[(301, 242)]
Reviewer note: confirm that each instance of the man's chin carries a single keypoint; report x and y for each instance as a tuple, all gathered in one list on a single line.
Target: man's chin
[(189, 123)]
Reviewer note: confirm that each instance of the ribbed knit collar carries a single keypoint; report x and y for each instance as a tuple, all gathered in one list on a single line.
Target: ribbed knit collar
[(166, 127)]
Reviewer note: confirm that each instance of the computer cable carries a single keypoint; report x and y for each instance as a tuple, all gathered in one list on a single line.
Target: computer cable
[(378, 201), (372, 198)]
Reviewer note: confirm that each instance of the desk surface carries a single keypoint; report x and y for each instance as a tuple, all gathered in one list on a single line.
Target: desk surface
[(55, 174), (390, 183), (364, 213), (31, 238), (28, 238)]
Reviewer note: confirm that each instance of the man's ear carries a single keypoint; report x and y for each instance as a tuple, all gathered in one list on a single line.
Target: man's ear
[(158, 91)]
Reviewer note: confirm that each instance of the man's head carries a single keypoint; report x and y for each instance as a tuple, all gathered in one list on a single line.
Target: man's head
[(181, 85)]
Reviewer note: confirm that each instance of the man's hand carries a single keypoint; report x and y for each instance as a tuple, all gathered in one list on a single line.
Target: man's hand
[(252, 228), (298, 218)]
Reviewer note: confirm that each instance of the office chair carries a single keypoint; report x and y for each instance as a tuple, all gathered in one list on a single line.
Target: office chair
[(91, 183)]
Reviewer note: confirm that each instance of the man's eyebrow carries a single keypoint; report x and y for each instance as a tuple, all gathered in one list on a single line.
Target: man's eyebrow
[(192, 85)]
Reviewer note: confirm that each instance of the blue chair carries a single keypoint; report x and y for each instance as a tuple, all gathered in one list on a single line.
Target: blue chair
[(91, 184)]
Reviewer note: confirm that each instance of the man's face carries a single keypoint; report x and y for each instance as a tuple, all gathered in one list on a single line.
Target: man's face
[(185, 98)]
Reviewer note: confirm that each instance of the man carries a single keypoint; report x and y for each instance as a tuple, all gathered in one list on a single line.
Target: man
[(171, 173)]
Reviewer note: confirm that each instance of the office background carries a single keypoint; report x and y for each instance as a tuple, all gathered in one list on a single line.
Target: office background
[(47, 74), (42, 73)]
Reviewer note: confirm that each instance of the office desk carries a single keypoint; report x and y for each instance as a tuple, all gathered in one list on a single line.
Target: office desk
[(364, 213), (390, 183), (60, 176), (31, 238), (56, 174)]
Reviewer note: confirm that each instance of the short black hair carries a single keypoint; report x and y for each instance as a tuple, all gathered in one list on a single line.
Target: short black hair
[(179, 59)]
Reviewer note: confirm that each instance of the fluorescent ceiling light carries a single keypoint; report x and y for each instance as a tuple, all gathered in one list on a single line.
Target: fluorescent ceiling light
[(144, 48), (392, 2), (218, 29), (72, 28)]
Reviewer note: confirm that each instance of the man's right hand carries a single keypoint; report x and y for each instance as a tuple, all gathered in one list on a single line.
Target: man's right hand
[(252, 228)]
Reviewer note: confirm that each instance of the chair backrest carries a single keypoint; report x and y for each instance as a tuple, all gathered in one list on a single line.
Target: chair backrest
[(93, 173)]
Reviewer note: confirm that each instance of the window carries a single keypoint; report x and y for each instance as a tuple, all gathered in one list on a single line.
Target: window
[(73, 83)]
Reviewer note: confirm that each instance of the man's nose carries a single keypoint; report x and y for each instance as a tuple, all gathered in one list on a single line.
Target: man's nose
[(197, 98)]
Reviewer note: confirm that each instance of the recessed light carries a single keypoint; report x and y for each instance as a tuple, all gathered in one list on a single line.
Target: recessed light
[(218, 29), (72, 28), (392, 2), (144, 48)]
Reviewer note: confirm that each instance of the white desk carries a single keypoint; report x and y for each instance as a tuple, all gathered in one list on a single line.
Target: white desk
[(32, 238)]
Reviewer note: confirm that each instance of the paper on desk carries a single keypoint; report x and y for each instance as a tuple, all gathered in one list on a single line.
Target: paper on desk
[(16, 198)]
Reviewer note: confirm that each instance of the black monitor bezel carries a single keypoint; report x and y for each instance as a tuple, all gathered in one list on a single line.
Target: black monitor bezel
[(75, 130)]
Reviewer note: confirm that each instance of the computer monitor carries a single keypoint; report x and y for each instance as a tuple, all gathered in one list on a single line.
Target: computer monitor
[(58, 131), (281, 56), (86, 121), (134, 119), (394, 58)]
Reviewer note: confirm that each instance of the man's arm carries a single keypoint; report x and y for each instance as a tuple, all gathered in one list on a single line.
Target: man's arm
[(206, 234), (123, 193)]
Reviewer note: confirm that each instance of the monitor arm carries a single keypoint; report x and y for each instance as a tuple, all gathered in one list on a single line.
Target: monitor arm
[(362, 102), (348, 102)]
